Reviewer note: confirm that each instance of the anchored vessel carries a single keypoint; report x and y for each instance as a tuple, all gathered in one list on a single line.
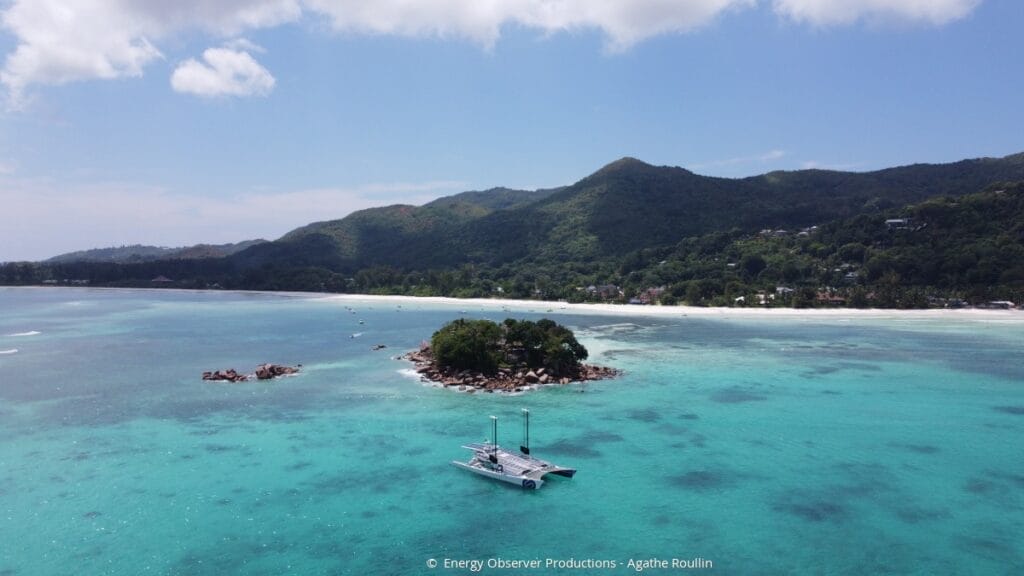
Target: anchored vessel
[(491, 460)]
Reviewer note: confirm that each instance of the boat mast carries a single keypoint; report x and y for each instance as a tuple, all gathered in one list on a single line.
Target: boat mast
[(525, 448), (494, 440)]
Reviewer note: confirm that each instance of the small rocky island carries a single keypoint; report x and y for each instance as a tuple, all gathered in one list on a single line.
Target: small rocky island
[(263, 372), (512, 356)]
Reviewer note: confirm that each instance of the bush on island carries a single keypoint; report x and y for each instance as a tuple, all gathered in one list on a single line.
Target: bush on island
[(484, 346)]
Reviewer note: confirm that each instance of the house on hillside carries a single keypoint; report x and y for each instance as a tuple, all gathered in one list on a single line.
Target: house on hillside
[(830, 298), (650, 295), (897, 223), (604, 291)]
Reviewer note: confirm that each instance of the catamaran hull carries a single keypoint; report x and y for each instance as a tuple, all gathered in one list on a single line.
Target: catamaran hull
[(521, 481)]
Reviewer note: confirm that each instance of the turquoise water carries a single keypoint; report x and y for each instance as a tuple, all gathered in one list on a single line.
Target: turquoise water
[(763, 446)]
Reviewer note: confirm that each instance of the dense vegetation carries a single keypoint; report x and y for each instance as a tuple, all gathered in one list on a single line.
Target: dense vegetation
[(656, 234), (626, 206), (485, 346), (969, 248), (139, 253)]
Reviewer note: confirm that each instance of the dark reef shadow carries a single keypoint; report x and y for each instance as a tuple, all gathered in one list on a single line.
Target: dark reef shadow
[(993, 543), (648, 415), (571, 448), (916, 448), (862, 481), (736, 395), (915, 514), (812, 509)]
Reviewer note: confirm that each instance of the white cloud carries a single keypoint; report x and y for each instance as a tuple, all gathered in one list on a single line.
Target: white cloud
[(832, 12), (244, 45), (41, 218), (839, 166), (60, 41), (755, 159), (625, 22), (223, 72)]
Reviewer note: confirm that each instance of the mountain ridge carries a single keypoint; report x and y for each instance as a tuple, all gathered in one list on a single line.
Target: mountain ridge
[(639, 226), (594, 206), (142, 253), (593, 227)]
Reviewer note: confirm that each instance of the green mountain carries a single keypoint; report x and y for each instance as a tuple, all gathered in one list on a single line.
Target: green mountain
[(625, 206), (400, 235), (140, 253), (952, 247), (639, 227), (487, 201), (972, 244)]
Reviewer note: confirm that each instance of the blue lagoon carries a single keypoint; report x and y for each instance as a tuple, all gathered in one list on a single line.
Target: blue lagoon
[(750, 444)]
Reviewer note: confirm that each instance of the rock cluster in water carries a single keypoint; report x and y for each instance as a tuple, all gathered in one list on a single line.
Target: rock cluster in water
[(505, 379), (263, 372)]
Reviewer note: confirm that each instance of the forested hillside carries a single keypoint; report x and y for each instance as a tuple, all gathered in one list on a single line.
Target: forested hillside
[(656, 234)]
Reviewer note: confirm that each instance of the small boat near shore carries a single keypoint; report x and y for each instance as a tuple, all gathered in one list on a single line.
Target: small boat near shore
[(522, 469)]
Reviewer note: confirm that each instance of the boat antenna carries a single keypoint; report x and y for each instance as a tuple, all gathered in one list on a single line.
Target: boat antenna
[(494, 440), (525, 448)]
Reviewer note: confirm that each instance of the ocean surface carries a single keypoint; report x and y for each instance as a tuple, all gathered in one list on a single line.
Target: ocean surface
[(764, 445)]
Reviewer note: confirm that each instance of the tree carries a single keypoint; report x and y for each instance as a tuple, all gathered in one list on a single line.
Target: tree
[(753, 264), (852, 252), (561, 349), (693, 295), (858, 298), (483, 346), (468, 345), (803, 298), (791, 272)]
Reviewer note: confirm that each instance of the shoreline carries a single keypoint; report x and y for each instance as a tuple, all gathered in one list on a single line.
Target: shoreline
[(519, 378), (606, 309), (657, 311)]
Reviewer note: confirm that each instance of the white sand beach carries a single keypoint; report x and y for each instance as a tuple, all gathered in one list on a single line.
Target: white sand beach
[(541, 306), (824, 314)]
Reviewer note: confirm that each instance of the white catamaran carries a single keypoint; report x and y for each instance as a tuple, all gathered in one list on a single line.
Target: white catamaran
[(491, 460)]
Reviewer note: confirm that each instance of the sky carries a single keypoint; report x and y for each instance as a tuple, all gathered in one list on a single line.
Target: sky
[(174, 123)]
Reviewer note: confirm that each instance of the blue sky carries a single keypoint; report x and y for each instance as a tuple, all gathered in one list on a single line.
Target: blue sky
[(176, 123)]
